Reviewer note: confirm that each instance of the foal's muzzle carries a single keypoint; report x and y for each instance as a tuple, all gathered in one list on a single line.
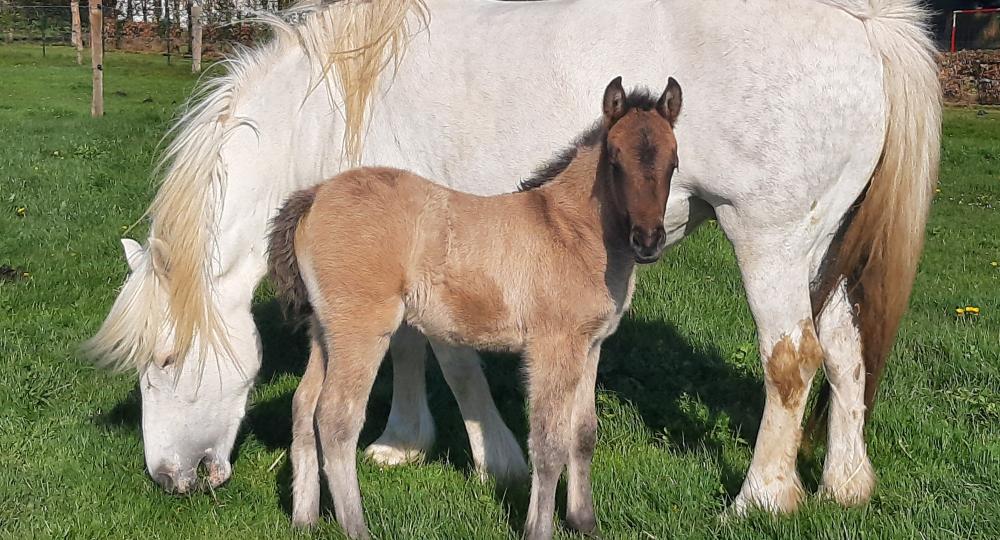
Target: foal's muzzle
[(647, 244)]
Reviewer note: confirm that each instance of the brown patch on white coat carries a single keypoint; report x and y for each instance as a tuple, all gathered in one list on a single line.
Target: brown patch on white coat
[(791, 367)]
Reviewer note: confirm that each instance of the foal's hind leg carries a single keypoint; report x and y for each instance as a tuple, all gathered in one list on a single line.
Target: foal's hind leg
[(356, 340), (555, 368), (305, 458), (847, 473), (777, 285), (409, 433), (580, 515)]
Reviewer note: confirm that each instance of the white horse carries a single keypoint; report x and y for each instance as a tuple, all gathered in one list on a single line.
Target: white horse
[(811, 132)]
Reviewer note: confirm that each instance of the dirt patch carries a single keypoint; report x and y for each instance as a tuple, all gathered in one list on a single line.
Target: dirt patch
[(970, 77)]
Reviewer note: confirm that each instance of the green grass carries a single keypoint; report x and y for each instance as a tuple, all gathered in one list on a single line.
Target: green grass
[(680, 395)]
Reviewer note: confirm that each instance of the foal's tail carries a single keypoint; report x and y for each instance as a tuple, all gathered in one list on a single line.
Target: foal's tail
[(881, 244), (283, 265)]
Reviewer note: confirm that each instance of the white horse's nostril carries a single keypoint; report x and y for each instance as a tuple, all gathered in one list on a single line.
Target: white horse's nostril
[(219, 471), (165, 478)]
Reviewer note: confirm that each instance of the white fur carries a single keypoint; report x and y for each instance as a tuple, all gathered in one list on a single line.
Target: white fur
[(847, 474), (784, 122)]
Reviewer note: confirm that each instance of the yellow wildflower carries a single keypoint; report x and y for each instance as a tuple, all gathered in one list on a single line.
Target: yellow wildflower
[(960, 311), (21, 211), (972, 310)]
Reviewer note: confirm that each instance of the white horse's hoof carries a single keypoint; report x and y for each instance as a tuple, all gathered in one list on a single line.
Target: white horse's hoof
[(504, 461), (776, 497), (848, 486), (390, 456)]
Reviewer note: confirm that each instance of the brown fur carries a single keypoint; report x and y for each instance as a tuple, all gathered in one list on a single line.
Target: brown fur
[(787, 362), (547, 272)]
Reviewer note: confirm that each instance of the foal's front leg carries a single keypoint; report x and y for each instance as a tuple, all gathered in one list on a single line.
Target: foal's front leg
[(555, 369), (580, 515)]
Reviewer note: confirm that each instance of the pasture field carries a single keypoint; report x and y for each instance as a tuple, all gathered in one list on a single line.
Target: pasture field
[(680, 387)]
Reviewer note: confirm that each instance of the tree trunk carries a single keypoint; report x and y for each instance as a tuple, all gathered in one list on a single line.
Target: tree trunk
[(74, 7), (97, 58), (196, 37)]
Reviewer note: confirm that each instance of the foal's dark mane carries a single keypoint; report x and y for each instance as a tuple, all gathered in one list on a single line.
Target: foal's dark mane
[(639, 98)]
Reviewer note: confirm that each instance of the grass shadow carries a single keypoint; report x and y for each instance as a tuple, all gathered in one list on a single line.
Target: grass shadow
[(689, 397), (126, 414)]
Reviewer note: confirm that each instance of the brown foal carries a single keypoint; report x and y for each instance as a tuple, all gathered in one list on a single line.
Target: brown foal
[(547, 271)]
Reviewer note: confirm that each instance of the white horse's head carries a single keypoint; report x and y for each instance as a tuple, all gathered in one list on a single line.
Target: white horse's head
[(191, 407)]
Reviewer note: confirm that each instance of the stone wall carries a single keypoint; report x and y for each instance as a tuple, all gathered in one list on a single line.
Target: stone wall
[(971, 77)]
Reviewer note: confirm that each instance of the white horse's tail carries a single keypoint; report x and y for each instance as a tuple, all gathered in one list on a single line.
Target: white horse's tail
[(358, 39), (881, 245)]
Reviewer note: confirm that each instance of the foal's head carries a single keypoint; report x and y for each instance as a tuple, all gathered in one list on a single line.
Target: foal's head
[(641, 159)]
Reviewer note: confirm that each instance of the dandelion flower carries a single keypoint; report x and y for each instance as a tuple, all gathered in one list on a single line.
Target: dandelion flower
[(21, 211), (972, 310), (960, 311)]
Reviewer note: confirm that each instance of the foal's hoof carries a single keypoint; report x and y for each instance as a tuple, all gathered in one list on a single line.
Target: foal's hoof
[(303, 522), (589, 529)]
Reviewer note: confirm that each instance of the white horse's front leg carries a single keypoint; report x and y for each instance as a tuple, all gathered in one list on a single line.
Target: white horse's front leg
[(848, 476), (409, 433), (494, 448), (777, 286)]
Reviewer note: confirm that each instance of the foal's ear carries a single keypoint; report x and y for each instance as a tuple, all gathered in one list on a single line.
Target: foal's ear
[(669, 105), (133, 253), (614, 102)]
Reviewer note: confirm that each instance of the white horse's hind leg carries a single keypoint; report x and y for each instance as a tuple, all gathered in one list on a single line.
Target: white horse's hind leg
[(777, 286), (409, 433), (848, 476), (494, 448)]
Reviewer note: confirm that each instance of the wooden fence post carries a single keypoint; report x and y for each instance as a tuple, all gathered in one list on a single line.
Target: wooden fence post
[(97, 58), (196, 36), (74, 7)]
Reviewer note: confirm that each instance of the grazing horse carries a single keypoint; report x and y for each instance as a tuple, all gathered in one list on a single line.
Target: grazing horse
[(547, 272), (813, 138)]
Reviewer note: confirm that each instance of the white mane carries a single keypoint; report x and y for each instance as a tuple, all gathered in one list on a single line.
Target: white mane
[(357, 39)]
